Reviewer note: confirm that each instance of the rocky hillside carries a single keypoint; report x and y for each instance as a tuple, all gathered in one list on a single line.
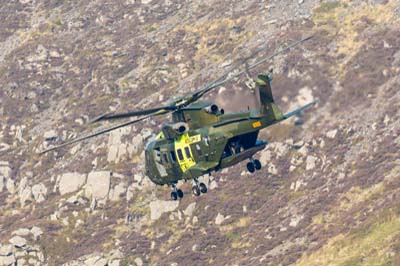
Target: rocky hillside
[(329, 190)]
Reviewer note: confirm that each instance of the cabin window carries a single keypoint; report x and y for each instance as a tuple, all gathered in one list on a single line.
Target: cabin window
[(173, 156), (157, 155), (198, 150), (165, 158), (180, 154), (187, 151)]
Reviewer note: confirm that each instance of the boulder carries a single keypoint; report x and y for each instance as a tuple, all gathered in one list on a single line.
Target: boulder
[(6, 250), (71, 182), (272, 169), (39, 192), (310, 162), (280, 148), (36, 232), (98, 184), (22, 232), (10, 185), (331, 134), (219, 219), (2, 181), (138, 261), (190, 209), (295, 220), (25, 195), (18, 241), (50, 135), (136, 145), (5, 169), (117, 191), (158, 207), (265, 157), (305, 96), (117, 149), (7, 260)]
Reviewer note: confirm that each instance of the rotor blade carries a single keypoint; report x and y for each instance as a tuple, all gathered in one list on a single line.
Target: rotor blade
[(241, 62), (109, 116), (200, 93), (94, 134)]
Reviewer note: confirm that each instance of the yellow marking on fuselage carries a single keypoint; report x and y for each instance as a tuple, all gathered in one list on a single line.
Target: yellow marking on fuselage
[(160, 135), (181, 143), (257, 124), (193, 139)]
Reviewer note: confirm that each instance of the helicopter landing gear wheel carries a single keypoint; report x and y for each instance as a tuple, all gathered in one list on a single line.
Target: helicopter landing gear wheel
[(257, 164), (203, 188), (174, 195), (179, 192), (196, 190), (251, 167)]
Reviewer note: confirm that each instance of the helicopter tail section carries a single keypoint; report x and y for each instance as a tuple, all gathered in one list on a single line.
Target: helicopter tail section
[(265, 100)]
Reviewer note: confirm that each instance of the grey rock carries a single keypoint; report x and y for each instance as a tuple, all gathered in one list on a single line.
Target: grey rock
[(311, 162), (36, 232), (138, 261), (18, 241), (5, 169), (295, 220), (50, 135), (2, 182), (10, 185), (219, 219), (6, 250), (158, 207), (117, 191), (331, 134), (98, 184), (114, 263), (190, 209), (7, 260), (22, 232), (39, 192), (41, 54), (25, 195), (21, 261), (71, 182), (117, 149)]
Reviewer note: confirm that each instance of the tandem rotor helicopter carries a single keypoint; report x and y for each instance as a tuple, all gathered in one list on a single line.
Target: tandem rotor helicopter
[(202, 138)]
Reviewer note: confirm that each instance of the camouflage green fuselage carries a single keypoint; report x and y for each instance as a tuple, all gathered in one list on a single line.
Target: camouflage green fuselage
[(212, 142)]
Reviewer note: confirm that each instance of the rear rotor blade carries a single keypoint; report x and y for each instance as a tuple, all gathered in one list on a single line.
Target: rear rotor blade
[(214, 85)]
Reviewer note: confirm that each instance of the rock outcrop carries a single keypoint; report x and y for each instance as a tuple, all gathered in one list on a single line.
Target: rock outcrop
[(329, 182), (98, 185), (71, 182)]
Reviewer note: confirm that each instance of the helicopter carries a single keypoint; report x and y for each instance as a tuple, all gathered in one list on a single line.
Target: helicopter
[(202, 138)]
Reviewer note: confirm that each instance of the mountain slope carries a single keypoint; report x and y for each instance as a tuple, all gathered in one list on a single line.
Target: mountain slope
[(328, 192)]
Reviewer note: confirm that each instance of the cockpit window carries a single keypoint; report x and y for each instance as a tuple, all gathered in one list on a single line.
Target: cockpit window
[(187, 151), (180, 154), (173, 156)]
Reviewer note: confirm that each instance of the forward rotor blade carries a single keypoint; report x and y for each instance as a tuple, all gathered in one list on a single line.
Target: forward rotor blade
[(94, 134), (109, 116), (214, 85)]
